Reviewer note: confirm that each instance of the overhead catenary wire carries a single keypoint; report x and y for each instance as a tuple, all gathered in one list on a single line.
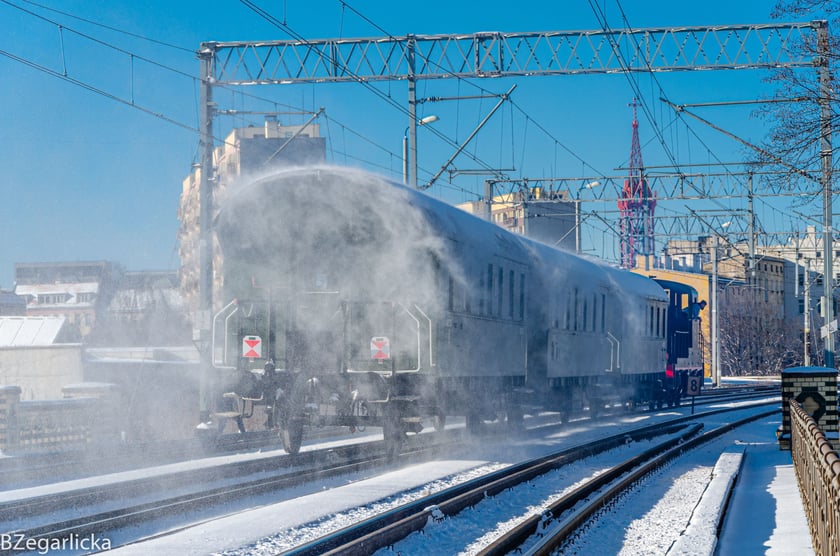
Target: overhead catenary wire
[(485, 93), (130, 101), (298, 37), (483, 90), (102, 25)]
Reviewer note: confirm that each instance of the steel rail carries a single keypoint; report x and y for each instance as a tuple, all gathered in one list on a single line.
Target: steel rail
[(389, 527), (555, 533), (351, 458)]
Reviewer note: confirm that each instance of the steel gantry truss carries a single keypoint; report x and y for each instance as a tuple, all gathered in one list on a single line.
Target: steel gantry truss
[(510, 54), (492, 55), (489, 55)]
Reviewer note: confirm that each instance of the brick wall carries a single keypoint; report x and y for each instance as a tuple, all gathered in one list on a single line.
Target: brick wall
[(815, 388)]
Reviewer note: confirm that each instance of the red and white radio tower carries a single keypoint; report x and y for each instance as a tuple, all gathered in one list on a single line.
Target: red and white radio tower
[(636, 205)]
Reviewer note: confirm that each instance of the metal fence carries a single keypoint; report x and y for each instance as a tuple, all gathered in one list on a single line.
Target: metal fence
[(87, 416), (818, 473)]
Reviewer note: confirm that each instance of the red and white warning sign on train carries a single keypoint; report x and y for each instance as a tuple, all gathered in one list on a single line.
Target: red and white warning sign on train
[(252, 347), (380, 348)]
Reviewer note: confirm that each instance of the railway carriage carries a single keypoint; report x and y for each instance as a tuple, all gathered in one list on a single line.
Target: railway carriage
[(374, 304), (605, 341)]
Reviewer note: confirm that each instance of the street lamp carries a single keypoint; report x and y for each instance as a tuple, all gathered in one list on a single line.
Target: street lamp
[(405, 157), (577, 201)]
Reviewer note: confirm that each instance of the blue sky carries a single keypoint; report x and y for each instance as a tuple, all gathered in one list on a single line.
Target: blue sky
[(86, 177)]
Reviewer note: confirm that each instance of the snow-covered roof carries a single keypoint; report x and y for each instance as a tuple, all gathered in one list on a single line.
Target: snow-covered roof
[(30, 331), (58, 287)]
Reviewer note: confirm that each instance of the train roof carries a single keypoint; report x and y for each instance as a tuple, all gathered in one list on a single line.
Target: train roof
[(375, 205), (253, 216), (675, 286)]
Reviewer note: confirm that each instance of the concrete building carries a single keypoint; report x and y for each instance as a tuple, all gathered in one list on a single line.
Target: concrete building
[(780, 283), (247, 151), (683, 255), (804, 255), (78, 291), (547, 216)]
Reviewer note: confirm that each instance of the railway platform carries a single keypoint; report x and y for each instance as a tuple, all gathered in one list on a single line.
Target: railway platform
[(752, 506)]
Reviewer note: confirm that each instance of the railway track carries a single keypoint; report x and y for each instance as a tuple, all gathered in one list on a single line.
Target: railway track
[(45, 516), (388, 528), (32, 469), (281, 471)]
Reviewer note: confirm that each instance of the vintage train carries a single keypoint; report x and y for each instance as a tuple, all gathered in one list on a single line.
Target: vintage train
[(356, 301)]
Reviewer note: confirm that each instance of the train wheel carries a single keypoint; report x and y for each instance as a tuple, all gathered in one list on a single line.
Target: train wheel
[(291, 434)]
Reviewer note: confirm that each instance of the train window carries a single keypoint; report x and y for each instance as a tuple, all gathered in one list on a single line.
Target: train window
[(500, 300), (585, 314), (651, 320), (603, 312), (594, 312), (658, 316), (575, 326), (522, 296), (490, 289), (662, 316), (451, 293), (481, 295), (467, 300), (511, 277), (567, 313)]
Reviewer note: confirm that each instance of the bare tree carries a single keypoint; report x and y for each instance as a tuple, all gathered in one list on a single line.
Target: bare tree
[(793, 144), (755, 340)]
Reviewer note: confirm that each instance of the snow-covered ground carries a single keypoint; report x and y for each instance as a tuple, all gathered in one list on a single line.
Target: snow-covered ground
[(766, 514)]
